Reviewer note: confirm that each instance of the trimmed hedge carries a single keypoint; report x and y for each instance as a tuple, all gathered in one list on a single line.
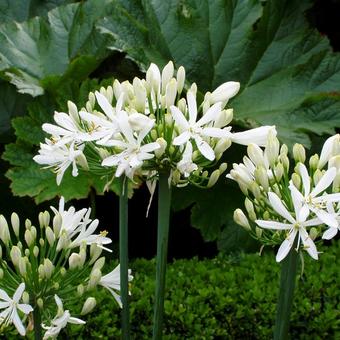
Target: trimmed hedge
[(230, 297)]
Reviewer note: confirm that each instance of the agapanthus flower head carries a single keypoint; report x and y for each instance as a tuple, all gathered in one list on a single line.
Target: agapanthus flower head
[(58, 259), (291, 204), (148, 125)]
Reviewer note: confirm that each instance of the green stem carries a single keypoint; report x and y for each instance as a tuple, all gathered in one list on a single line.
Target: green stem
[(37, 323), (285, 300), (123, 254), (164, 200)]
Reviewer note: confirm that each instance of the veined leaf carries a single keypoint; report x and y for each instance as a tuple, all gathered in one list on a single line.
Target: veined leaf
[(35, 54)]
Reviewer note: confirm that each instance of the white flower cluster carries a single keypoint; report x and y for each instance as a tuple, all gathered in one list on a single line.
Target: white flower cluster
[(62, 258), (142, 128), (295, 206)]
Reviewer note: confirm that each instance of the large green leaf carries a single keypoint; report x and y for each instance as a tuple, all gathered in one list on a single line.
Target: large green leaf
[(42, 52), (21, 10)]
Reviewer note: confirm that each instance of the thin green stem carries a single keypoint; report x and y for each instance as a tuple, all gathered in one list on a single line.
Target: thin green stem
[(164, 200), (123, 254), (285, 300), (37, 323)]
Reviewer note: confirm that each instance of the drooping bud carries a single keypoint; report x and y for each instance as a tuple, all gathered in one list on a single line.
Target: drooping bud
[(241, 219), (224, 92), (15, 222), (88, 306)]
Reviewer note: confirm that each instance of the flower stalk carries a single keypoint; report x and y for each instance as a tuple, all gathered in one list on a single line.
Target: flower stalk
[(286, 292), (37, 324), (164, 201), (123, 254)]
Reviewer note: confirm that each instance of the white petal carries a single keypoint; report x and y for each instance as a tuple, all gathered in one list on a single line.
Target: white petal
[(76, 321), (330, 233), (328, 198), (204, 148), (149, 147), (123, 122), (214, 132), (283, 250), (297, 199), (192, 107), (326, 218), (325, 181), (279, 207), (257, 136), (308, 243), (273, 225), (18, 293), (4, 296), (26, 309), (327, 150), (179, 118), (105, 105), (182, 138), (210, 115), (18, 323), (312, 222)]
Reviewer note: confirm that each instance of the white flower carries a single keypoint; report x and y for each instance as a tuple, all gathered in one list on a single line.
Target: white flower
[(186, 166), (190, 129), (256, 136), (134, 153), (332, 231), (311, 200), (10, 308), (111, 281), (60, 157), (224, 92), (104, 127), (295, 226), (60, 321), (330, 148)]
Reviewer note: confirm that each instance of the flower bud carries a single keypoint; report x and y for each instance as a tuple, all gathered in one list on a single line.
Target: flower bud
[(222, 145), (317, 176), (41, 219), (73, 111), (255, 189), (22, 266), (180, 79), (255, 153), (63, 241), (28, 223), (74, 261), (25, 297), (15, 254), (241, 219), (57, 222), (213, 178), (88, 107), (29, 238), (296, 179), (334, 162), (4, 231), (167, 74), (182, 105), (140, 94), (278, 171), (193, 89), (88, 306), (250, 209), (82, 161), (153, 78), (41, 271), (48, 268), (162, 142), (224, 118), (47, 218), (336, 183), (258, 232), (40, 303), (0, 252), (272, 148), (15, 222), (92, 99), (80, 290), (95, 252), (224, 92), (261, 177), (94, 278), (63, 271), (313, 233), (1, 274), (99, 264), (313, 162), (35, 251), (171, 92), (41, 242), (299, 153), (285, 161), (50, 236), (82, 254)]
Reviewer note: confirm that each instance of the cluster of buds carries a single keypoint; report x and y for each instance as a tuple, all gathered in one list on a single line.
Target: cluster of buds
[(292, 201), (60, 259), (149, 126)]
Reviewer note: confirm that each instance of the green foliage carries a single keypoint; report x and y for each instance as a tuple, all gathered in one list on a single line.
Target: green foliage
[(225, 298)]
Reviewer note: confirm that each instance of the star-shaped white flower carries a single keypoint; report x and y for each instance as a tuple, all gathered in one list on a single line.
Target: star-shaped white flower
[(111, 281), (60, 157), (10, 308), (186, 166), (60, 321), (134, 153), (190, 129), (312, 200), (296, 226)]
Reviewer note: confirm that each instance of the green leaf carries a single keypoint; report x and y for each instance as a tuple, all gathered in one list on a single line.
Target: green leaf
[(21, 10), (11, 104), (41, 53)]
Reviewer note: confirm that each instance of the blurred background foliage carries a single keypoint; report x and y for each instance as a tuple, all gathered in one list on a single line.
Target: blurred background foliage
[(284, 53)]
